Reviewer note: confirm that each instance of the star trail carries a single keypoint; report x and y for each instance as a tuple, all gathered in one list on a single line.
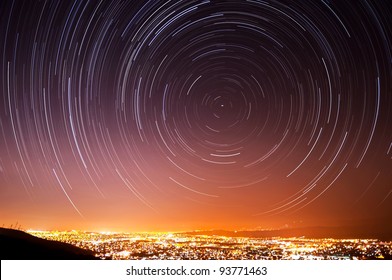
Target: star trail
[(167, 115)]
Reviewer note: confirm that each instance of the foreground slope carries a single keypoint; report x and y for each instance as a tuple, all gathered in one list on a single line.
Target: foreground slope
[(18, 245)]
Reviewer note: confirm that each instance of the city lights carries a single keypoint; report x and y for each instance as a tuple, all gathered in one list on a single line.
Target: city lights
[(185, 246)]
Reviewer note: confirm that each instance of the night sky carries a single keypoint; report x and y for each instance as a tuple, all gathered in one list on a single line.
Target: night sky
[(180, 115)]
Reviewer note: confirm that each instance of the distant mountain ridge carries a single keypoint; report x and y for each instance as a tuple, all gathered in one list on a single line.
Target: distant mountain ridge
[(19, 245), (347, 232)]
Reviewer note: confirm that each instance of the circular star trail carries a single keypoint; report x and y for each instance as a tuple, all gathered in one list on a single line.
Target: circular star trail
[(196, 110)]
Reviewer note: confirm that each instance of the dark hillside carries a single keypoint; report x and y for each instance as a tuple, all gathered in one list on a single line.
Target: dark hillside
[(19, 245)]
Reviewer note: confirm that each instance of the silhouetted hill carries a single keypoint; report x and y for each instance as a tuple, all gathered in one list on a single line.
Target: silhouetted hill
[(348, 232), (19, 245)]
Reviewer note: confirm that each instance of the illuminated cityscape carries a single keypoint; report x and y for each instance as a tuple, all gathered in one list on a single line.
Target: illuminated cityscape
[(185, 246)]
